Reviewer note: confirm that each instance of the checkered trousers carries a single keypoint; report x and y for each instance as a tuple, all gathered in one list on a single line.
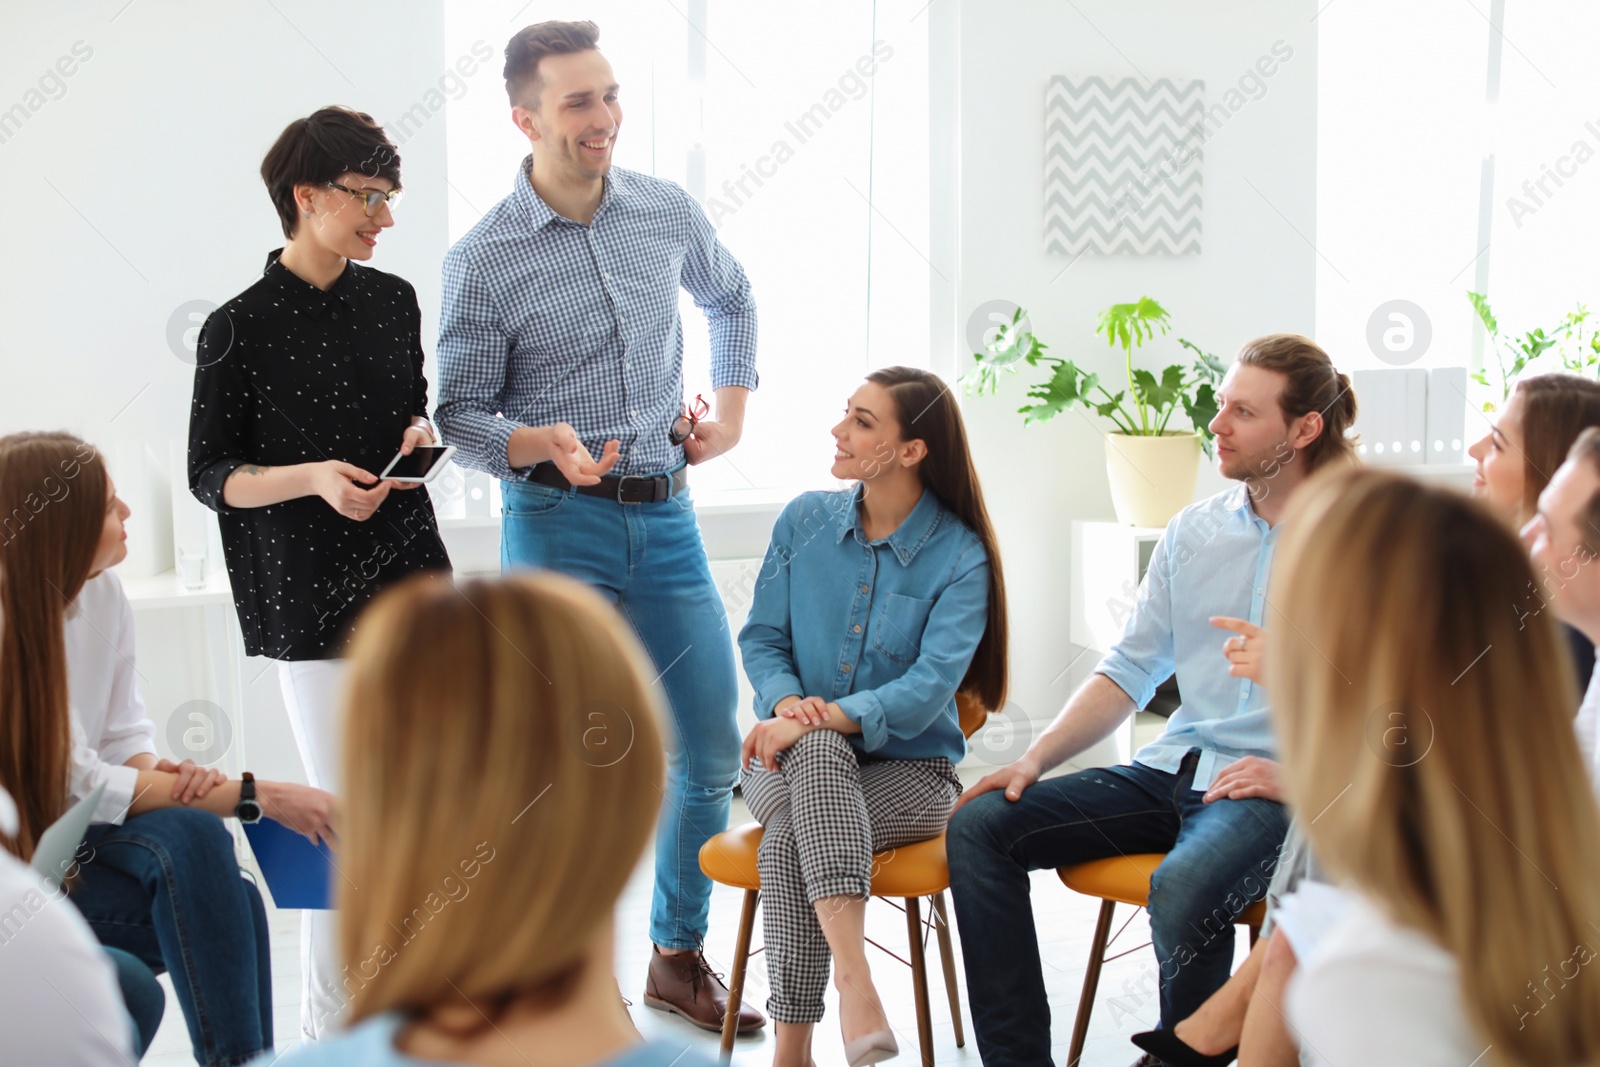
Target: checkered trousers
[(826, 810)]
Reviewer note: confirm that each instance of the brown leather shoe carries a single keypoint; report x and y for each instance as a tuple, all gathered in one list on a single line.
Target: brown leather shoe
[(686, 984)]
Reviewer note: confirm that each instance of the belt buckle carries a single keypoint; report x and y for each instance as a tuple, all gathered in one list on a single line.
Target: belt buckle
[(622, 481)]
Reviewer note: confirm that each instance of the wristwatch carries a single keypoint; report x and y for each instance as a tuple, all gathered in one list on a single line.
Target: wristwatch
[(247, 810)]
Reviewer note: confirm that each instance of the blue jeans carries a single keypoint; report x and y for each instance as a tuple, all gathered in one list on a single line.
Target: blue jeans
[(1220, 858), (165, 887), (142, 996), (650, 561)]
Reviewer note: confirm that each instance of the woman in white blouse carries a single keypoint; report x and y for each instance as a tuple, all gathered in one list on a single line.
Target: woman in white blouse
[(1430, 737), (158, 877)]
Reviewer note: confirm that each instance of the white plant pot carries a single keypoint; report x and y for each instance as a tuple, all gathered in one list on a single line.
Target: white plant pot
[(1152, 478)]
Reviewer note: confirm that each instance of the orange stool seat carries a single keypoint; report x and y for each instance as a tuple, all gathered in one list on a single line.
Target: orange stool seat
[(730, 858), (918, 870), (1126, 880), (1119, 880)]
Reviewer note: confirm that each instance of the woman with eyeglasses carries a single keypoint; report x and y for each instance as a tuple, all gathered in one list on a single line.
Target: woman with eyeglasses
[(306, 386)]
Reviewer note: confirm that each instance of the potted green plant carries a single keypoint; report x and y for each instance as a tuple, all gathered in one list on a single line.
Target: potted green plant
[(1513, 355), (1152, 468)]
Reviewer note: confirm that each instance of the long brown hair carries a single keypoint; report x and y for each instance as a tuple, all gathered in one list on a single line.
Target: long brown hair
[(502, 757), (1556, 408), (927, 412), (1429, 731), (52, 509)]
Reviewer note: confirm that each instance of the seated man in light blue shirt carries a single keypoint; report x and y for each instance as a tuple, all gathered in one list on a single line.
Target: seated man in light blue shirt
[(1205, 792)]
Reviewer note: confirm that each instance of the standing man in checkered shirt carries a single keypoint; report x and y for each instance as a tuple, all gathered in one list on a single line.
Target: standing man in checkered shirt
[(560, 341)]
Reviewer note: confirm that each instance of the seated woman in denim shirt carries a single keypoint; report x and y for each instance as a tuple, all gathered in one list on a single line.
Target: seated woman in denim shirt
[(874, 606)]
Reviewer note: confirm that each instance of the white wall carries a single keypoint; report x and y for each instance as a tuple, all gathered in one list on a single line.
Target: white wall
[(1255, 273), (138, 189), (131, 188)]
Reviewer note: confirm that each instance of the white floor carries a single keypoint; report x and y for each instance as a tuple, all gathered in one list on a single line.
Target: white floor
[(1126, 1003)]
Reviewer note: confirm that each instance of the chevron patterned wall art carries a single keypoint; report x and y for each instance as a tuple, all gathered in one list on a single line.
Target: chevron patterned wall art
[(1122, 166)]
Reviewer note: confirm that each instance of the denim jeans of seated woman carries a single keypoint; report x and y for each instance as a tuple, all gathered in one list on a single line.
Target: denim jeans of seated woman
[(1220, 856), (165, 887), (650, 561)]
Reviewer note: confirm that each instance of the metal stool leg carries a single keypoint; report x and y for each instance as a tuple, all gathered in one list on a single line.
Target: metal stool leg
[(741, 959), (947, 957), (1091, 981), (919, 979)]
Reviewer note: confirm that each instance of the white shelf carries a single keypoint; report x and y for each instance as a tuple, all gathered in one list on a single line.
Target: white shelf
[(166, 590), (1444, 472)]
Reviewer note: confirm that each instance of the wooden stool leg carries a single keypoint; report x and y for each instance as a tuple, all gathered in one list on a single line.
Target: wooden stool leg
[(919, 979), (947, 956), (1091, 981), (741, 959)]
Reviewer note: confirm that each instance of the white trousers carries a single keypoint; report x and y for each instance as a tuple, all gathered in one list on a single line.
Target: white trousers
[(312, 697)]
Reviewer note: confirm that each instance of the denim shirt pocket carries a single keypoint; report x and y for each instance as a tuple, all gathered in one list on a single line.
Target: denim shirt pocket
[(897, 627)]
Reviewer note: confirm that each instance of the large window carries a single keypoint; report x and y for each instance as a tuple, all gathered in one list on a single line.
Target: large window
[(1400, 90), (1458, 149), (1545, 134), (803, 132)]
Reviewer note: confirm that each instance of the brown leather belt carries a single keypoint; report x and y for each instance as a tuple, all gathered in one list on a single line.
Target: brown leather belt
[(624, 488)]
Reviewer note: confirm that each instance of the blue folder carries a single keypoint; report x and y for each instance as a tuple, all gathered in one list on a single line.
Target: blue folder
[(299, 874)]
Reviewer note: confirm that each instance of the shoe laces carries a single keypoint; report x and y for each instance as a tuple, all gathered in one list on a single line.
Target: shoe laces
[(700, 969)]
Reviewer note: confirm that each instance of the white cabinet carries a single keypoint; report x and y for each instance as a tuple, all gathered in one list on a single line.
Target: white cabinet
[(1108, 563)]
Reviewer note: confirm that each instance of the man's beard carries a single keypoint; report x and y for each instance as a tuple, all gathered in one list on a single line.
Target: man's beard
[(1259, 466)]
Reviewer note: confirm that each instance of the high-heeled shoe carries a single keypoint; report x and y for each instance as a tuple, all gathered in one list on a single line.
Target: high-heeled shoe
[(1172, 1051), (875, 1047)]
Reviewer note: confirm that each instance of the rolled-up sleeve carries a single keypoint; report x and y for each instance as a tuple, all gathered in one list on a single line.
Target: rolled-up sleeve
[(219, 412), (473, 353), (1143, 658), (766, 641), (717, 282), (907, 706)]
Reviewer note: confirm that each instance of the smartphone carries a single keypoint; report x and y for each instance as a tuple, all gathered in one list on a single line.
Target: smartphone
[(422, 465)]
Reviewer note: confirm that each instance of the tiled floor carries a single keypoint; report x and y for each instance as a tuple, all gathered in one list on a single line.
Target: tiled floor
[(1125, 1005)]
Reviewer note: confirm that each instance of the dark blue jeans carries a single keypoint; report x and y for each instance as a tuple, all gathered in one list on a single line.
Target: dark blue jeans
[(649, 560), (1220, 857), (165, 887)]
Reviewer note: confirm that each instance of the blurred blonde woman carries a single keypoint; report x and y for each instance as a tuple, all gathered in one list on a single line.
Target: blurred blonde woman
[(503, 770), (1515, 459), (1432, 740)]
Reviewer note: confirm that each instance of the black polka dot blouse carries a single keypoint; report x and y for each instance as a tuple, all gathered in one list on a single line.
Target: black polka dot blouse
[(287, 373)]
